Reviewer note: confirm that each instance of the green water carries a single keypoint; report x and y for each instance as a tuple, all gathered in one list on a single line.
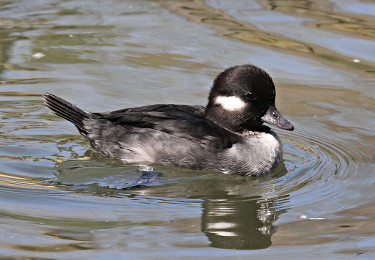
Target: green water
[(61, 200)]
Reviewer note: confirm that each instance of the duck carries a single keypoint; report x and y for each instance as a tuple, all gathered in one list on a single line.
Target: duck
[(227, 135)]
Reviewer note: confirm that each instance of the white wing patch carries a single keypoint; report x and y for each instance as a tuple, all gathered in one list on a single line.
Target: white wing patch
[(231, 103)]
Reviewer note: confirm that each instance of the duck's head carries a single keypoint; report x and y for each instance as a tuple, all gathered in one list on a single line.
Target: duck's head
[(243, 98)]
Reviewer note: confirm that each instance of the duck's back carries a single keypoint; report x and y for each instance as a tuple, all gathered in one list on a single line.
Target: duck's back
[(166, 134)]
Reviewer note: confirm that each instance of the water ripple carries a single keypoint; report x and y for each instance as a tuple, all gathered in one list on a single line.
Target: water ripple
[(316, 165)]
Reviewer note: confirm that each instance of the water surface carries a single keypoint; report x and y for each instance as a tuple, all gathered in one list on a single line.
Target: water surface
[(59, 199)]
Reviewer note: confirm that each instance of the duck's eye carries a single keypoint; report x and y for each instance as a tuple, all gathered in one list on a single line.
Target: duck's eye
[(250, 96)]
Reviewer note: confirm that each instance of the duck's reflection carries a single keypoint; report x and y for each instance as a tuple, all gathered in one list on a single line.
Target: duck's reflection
[(239, 223), (235, 212)]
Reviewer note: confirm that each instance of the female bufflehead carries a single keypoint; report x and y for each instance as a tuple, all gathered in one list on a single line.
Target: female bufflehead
[(228, 135)]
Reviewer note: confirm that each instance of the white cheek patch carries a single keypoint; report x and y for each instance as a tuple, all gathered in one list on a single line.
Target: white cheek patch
[(231, 103)]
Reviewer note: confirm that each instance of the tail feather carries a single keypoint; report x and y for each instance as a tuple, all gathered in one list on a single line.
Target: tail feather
[(66, 110)]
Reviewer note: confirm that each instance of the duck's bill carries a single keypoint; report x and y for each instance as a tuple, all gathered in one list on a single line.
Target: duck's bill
[(273, 117)]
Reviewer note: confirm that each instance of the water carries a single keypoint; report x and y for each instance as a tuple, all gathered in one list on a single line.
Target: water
[(59, 199)]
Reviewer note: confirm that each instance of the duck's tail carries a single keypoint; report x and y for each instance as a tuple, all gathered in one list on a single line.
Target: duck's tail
[(66, 110)]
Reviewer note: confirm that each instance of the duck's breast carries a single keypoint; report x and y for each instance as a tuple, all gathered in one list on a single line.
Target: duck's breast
[(257, 154)]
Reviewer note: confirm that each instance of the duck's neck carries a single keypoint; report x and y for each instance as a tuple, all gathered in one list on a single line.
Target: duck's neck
[(234, 122)]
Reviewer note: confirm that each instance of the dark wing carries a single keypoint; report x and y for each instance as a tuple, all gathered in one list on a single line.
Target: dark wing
[(184, 121), (149, 116)]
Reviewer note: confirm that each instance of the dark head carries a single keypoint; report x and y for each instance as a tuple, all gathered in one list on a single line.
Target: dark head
[(243, 98)]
